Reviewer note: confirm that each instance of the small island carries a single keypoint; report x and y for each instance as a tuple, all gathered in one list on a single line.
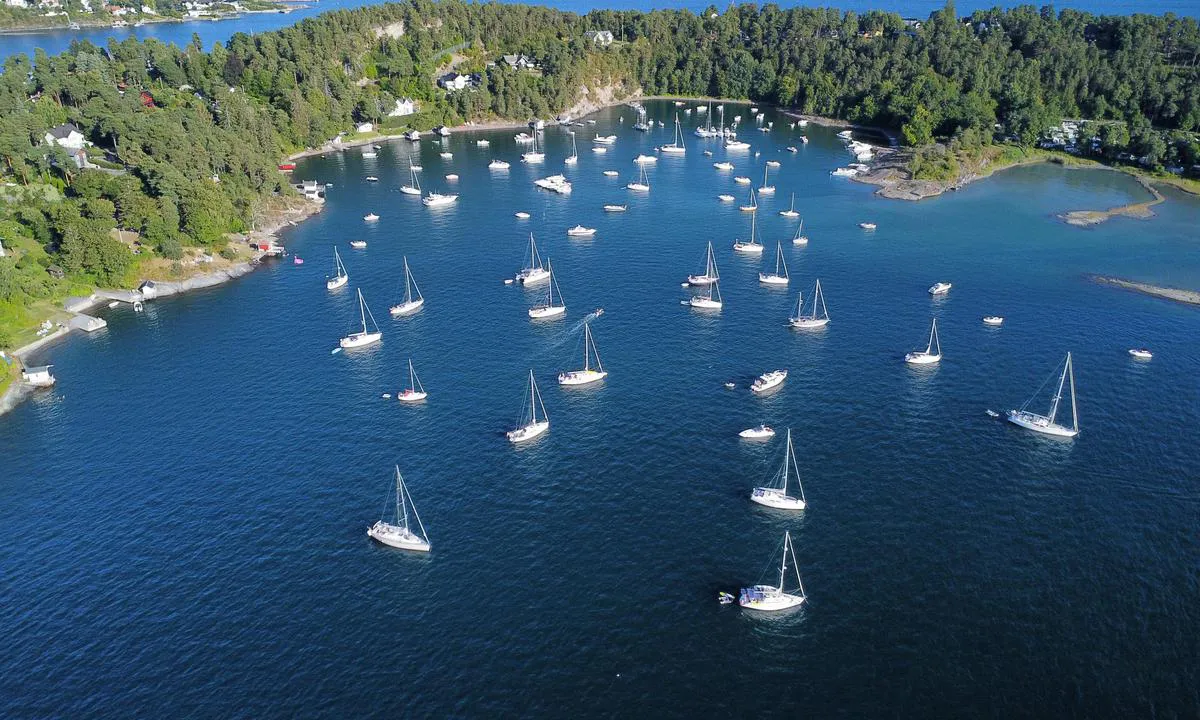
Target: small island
[(22, 16)]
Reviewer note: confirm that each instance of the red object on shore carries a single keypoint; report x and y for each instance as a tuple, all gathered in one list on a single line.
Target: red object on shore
[(287, 167)]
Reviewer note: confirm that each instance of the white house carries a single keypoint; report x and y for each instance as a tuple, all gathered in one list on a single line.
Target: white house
[(603, 38), (38, 376), (364, 127), (455, 81), (404, 106), (519, 62), (66, 135)]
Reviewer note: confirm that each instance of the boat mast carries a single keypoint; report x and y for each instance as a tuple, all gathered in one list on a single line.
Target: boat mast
[(587, 338), (779, 259), (1074, 409), (787, 541), (412, 376), (362, 310), (933, 340), (819, 296), (1058, 395), (400, 505)]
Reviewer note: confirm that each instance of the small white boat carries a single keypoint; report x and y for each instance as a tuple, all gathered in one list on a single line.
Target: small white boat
[(940, 288), (676, 147), (589, 373), (867, 225), (442, 131), (498, 165), (415, 392), (766, 189), (742, 180), (725, 198), (555, 183), (793, 149), (340, 276), (768, 381), (791, 211), (452, 177), (581, 231), (732, 143), (398, 534), (816, 318), (751, 246), (369, 154), (413, 300), (358, 244), (1141, 353), (574, 156), (372, 178), (447, 155), (363, 337), (800, 238), (413, 135), (611, 173), (773, 163), (414, 188), (438, 199), (523, 137), (531, 426), (553, 306), (711, 275), (534, 271), (844, 172), (1046, 424), (775, 494), (752, 206), (370, 217), (773, 598), (724, 166), (599, 149), (645, 159), (931, 354), (605, 139), (482, 143), (521, 214), (643, 183), (780, 276), (417, 168), (710, 299), (993, 320), (615, 208), (762, 432)]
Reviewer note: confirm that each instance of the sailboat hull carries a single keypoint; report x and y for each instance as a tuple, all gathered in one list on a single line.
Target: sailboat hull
[(546, 311), (748, 248), (922, 358), (701, 303), (337, 282), (775, 498), (408, 308), (360, 339), (581, 377), (769, 279), (701, 280), (1039, 424), (409, 190), (397, 537), (529, 432), (789, 213), (533, 276), (808, 323), (672, 150), (768, 599), (411, 396)]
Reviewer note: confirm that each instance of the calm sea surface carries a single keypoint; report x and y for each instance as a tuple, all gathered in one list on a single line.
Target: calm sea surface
[(183, 518), (211, 32)]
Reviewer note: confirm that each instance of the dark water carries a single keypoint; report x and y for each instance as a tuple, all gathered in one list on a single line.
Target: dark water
[(182, 520), (210, 32)]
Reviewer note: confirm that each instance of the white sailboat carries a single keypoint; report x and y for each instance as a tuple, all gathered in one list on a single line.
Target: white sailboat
[(415, 392), (710, 299), (412, 302), (534, 271), (791, 211), (676, 147), (531, 426), (399, 534), (775, 494), (800, 238), (643, 183), (553, 306), (931, 354), (817, 318), (588, 374), (771, 598), (574, 156), (750, 246), (363, 337), (1047, 424), (340, 277), (766, 189), (710, 275), (414, 188), (533, 156), (753, 206), (780, 276)]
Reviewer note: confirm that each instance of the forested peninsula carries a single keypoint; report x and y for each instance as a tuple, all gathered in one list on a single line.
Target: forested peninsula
[(181, 145)]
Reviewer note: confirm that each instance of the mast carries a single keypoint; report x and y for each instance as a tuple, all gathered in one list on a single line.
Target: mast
[(400, 504), (1058, 395), (787, 541), (779, 259), (792, 456), (819, 296), (362, 310), (799, 230), (1074, 410), (933, 339), (587, 338), (532, 399), (412, 376)]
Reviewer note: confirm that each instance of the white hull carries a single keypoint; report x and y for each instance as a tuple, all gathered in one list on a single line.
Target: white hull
[(808, 323), (922, 358), (498, 165), (599, 150), (533, 158), (757, 433), (532, 277), (725, 198), (581, 377), (360, 339), (408, 308), (770, 602), (768, 279), (768, 381), (737, 145), (645, 159), (701, 303), (802, 240), (439, 200), (521, 215), (638, 186), (411, 396), (337, 282), (611, 173), (672, 150), (529, 432), (766, 190), (993, 320), (1141, 354), (1040, 424), (742, 180), (701, 280), (547, 311), (775, 498), (397, 537), (749, 248), (939, 289), (789, 213), (571, 160), (370, 218), (723, 165), (614, 208), (581, 232)]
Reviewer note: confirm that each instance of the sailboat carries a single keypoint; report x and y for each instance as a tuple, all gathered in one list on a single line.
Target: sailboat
[(676, 147), (932, 354), (780, 276), (766, 189), (399, 534), (800, 238), (775, 495), (415, 187), (411, 304), (574, 156), (643, 183), (814, 319), (753, 206), (771, 597), (340, 277), (553, 307), (710, 299), (533, 156), (362, 338), (710, 275), (533, 272), (1048, 424), (588, 374), (415, 392), (791, 211), (531, 426), (749, 246)]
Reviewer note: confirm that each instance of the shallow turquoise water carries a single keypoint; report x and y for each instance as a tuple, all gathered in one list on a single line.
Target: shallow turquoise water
[(182, 520)]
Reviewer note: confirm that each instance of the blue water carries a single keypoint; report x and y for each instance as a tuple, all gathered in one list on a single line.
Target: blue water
[(210, 32), (182, 519)]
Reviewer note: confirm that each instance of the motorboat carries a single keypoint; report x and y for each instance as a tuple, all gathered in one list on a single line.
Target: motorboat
[(581, 231), (482, 143), (521, 215), (554, 183), (599, 149), (358, 244), (768, 381), (523, 137), (844, 172), (605, 139), (993, 320), (725, 198), (762, 432), (742, 180), (372, 178), (867, 225), (452, 177), (724, 166), (773, 163), (446, 155), (940, 288), (438, 199), (792, 148), (611, 173), (645, 159), (498, 165), (1141, 353), (615, 208), (370, 217)]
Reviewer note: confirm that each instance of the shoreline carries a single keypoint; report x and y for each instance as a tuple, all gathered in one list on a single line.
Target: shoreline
[(1179, 295), (285, 8)]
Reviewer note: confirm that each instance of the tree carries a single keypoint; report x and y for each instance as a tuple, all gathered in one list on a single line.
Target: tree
[(919, 130)]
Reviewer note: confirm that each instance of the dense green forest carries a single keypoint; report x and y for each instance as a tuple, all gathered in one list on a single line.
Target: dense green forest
[(187, 139)]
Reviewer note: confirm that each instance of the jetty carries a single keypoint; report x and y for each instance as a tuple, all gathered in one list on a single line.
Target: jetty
[(1188, 297), (1140, 211)]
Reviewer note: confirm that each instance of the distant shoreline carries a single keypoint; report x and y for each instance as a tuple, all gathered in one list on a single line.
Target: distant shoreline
[(108, 24), (1179, 295)]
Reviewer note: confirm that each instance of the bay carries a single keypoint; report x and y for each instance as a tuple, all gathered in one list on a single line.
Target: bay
[(182, 519)]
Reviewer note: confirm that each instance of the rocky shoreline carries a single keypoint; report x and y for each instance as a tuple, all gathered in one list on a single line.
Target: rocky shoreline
[(1187, 297)]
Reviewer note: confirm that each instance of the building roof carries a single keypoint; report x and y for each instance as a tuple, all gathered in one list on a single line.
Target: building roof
[(38, 369), (61, 132)]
